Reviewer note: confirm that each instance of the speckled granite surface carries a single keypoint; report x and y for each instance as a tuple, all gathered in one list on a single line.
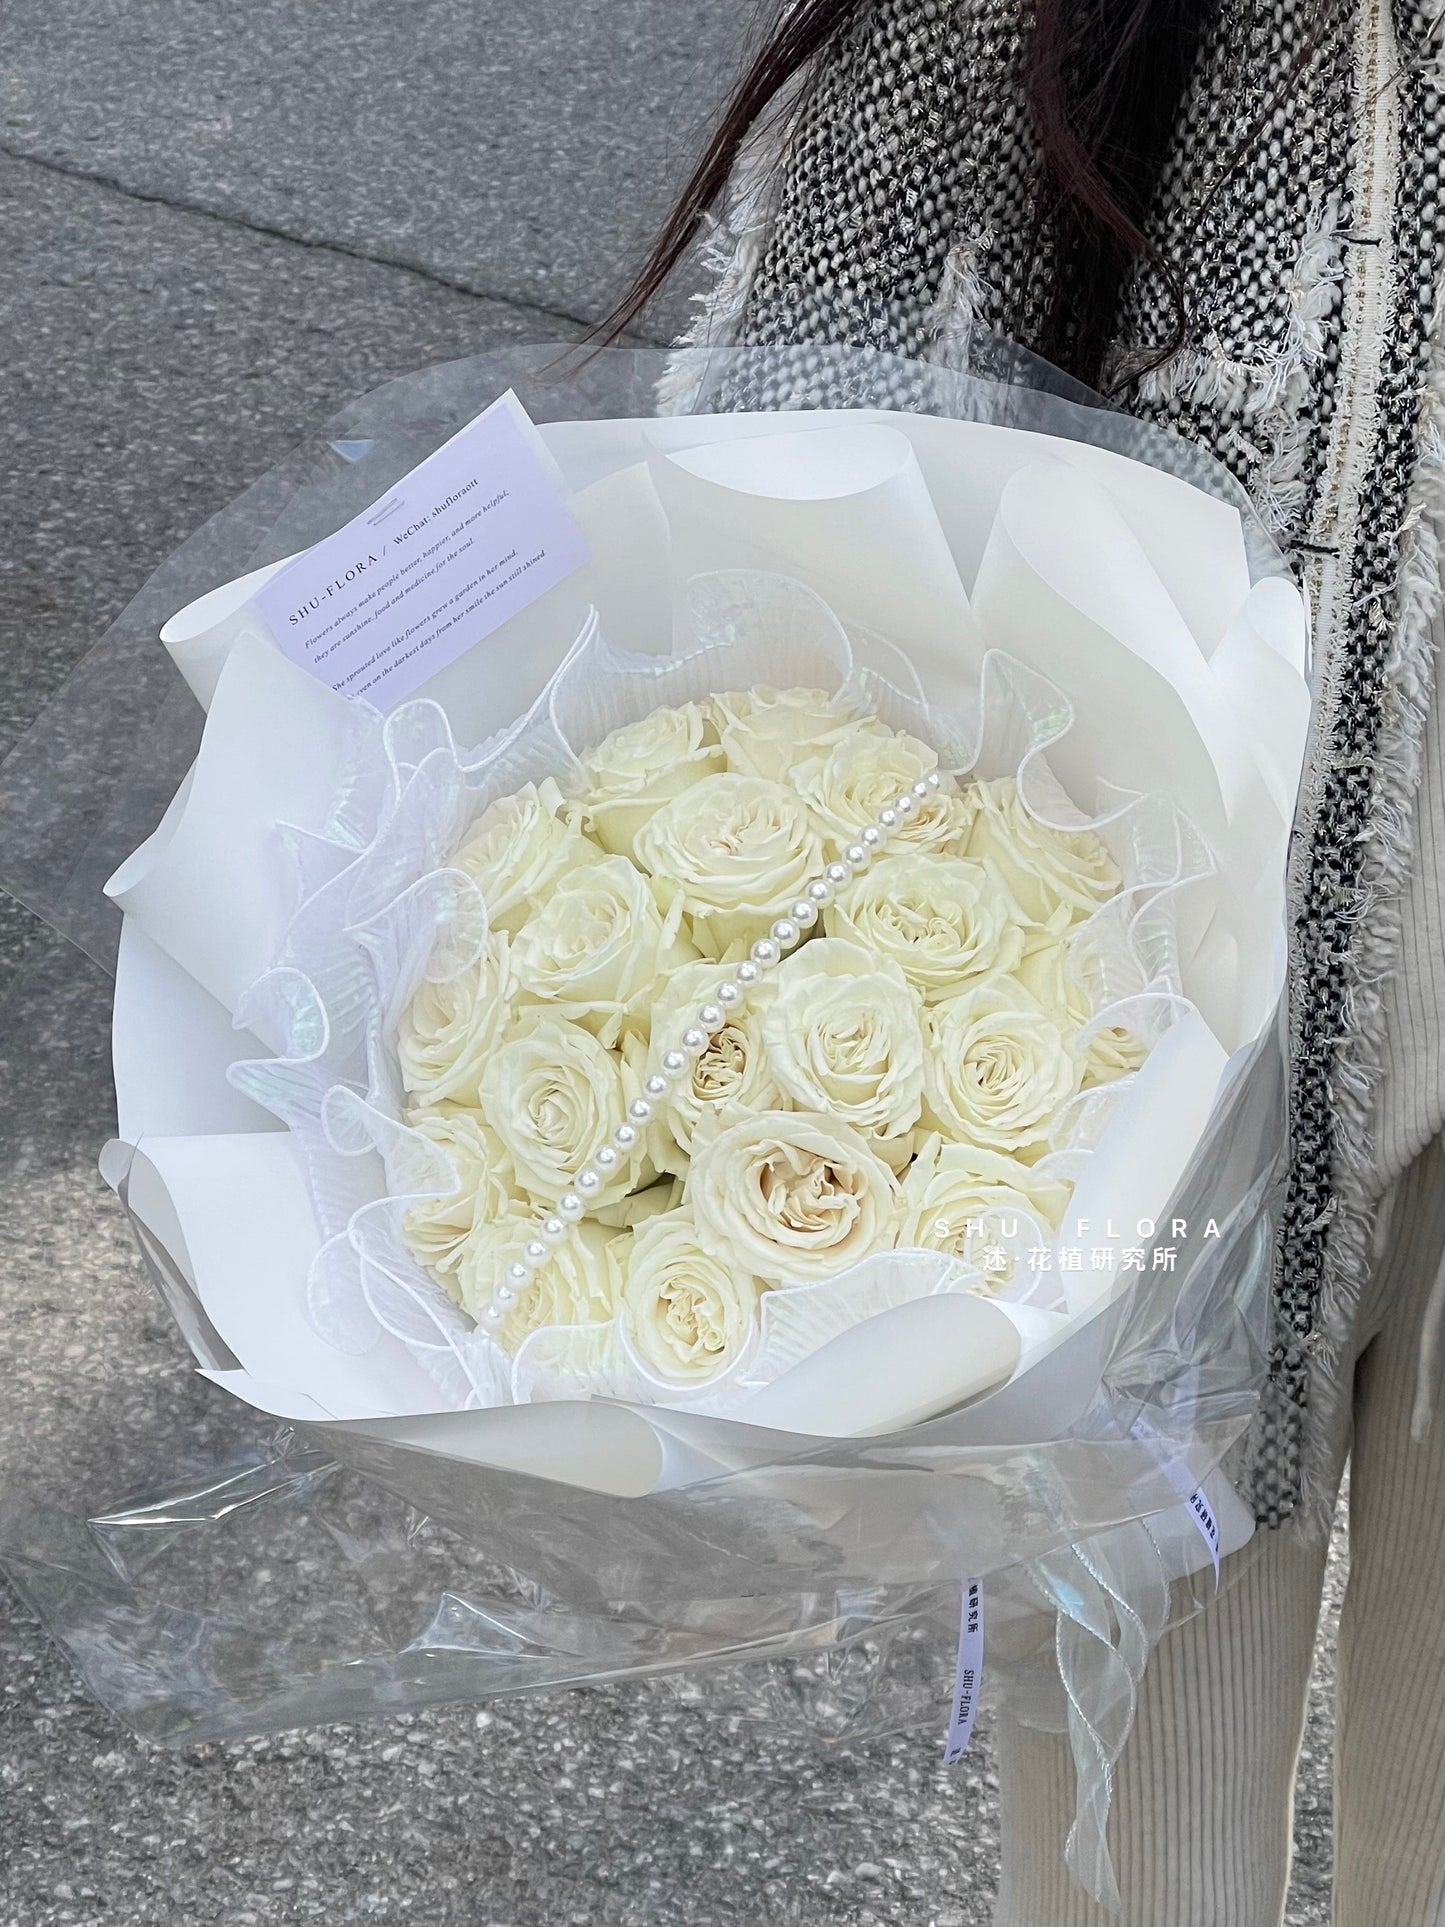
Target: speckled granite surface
[(154, 360)]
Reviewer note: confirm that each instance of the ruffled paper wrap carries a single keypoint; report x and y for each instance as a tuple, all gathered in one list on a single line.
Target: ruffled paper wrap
[(1029, 600)]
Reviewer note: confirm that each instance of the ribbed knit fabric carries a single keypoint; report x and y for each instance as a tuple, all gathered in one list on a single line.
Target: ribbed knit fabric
[(1200, 1824), (1390, 1751), (1412, 1092), (1199, 1829)]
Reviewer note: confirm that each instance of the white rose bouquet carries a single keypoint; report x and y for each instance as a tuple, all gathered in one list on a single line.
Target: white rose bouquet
[(743, 1031), (814, 938), (751, 1088), (692, 1050)]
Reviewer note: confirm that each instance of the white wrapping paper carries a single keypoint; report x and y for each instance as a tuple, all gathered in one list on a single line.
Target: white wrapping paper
[(1063, 579)]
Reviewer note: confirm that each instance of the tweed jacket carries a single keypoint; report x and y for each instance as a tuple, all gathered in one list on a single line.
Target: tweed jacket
[(892, 206)]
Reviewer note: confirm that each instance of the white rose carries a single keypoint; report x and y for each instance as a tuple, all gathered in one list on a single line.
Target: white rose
[(983, 1206), (688, 1313), (863, 771), (553, 1095), (638, 1206), (436, 1228), (943, 920), (767, 732), (735, 850), (517, 850), (1046, 976), (449, 1030), (1045, 869), (731, 1075), (844, 1035), (998, 1069), (1112, 1050), (574, 1287), (791, 1196), (596, 946), (635, 769)]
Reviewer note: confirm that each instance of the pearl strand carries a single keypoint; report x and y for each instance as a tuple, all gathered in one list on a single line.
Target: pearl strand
[(728, 997)]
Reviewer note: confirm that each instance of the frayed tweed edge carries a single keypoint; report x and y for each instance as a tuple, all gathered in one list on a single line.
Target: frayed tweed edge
[(1388, 850), (963, 299), (730, 257), (1272, 393), (1397, 583)]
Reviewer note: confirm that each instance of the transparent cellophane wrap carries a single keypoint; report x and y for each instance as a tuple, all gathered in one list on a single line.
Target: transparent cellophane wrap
[(1006, 543)]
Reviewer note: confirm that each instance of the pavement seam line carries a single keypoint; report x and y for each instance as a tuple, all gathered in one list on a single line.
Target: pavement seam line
[(347, 250)]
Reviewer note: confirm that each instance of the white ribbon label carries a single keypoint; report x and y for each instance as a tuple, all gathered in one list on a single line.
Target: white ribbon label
[(1200, 1510), (1203, 1515), (969, 1676)]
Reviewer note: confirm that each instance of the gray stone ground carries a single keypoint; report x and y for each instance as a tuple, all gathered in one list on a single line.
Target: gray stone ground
[(217, 223)]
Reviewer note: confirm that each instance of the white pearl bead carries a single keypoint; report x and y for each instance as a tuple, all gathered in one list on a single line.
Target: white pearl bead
[(624, 1137), (934, 780), (674, 1063), (820, 892), (838, 874), (655, 1084), (888, 817), (640, 1111), (517, 1274), (504, 1293), (607, 1158), (766, 952), (785, 933), (729, 995), (711, 1017), (694, 1040), (804, 913), (535, 1253), (553, 1229), (857, 856), (493, 1315), (570, 1207), (920, 789), (748, 974), (904, 805), (589, 1182), (871, 839)]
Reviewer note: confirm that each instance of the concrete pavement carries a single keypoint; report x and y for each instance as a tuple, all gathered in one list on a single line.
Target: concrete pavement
[(518, 152)]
